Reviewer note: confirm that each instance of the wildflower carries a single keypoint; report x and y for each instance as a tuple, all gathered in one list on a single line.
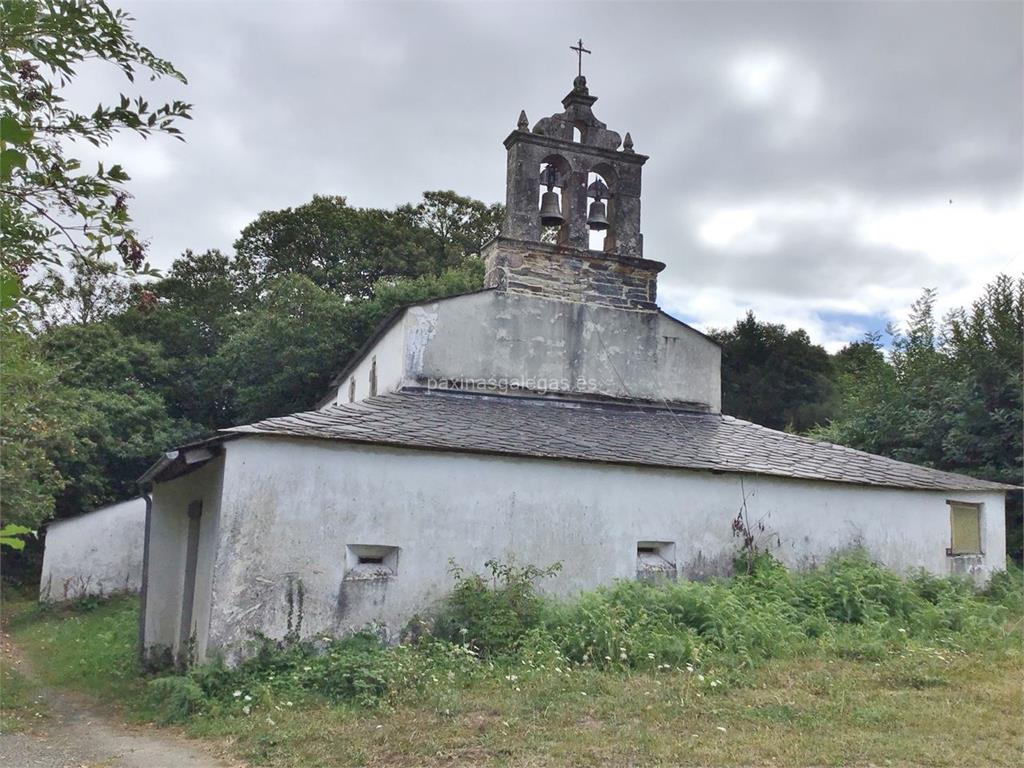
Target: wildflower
[(714, 683), (720, 728), (246, 709), (689, 667), (236, 694), (701, 678), (248, 698), (623, 656), (288, 704), (650, 656), (307, 669)]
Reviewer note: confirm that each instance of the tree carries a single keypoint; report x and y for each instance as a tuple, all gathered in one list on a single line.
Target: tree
[(189, 314), (773, 376), (35, 428), (349, 250), (89, 291), (284, 350), (342, 249), (54, 214), (459, 226), (118, 422)]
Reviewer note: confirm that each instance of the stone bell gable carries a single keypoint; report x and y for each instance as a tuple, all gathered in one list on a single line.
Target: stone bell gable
[(564, 314), (567, 177)]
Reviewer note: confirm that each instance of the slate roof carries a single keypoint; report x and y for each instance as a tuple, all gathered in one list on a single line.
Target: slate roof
[(616, 434)]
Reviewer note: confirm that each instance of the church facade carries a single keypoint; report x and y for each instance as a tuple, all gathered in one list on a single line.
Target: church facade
[(556, 415)]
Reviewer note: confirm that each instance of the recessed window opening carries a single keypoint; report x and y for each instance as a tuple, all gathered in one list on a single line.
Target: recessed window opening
[(577, 134), (656, 561), (352, 389), (370, 562), (373, 376)]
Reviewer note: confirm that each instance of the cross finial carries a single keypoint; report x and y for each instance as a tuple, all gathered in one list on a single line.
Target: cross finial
[(580, 50)]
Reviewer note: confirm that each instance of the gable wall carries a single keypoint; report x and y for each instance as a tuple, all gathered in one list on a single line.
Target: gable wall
[(295, 505), (491, 341), (388, 352)]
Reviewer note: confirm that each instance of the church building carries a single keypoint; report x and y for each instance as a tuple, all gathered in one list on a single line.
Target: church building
[(556, 415)]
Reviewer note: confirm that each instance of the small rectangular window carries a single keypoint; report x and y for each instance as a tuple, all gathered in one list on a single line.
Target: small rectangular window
[(656, 561), (370, 561), (965, 528)]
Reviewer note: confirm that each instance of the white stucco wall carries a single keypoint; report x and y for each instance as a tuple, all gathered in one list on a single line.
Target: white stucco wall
[(291, 507), (168, 545), (512, 343), (98, 553), (388, 352)]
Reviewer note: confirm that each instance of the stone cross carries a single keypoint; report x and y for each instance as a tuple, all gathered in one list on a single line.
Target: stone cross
[(580, 50)]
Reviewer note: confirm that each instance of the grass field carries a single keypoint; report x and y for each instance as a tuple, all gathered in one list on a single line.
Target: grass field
[(914, 705)]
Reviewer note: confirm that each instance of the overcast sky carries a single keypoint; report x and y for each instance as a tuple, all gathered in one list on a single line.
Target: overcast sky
[(803, 154)]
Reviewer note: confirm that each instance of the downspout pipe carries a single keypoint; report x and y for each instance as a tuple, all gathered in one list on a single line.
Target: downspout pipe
[(147, 494)]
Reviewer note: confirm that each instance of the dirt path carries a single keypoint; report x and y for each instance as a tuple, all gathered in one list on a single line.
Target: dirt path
[(75, 735)]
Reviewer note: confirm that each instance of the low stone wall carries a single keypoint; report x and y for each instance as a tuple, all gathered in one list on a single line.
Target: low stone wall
[(99, 553)]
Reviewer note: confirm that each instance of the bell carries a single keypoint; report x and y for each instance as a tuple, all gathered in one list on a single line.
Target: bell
[(598, 218), (550, 210)]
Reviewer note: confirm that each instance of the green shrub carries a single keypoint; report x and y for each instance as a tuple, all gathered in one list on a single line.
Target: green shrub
[(852, 589), (1006, 588), (492, 615), (176, 698)]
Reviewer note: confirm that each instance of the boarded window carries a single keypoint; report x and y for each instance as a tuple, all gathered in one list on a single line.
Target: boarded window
[(965, 525)]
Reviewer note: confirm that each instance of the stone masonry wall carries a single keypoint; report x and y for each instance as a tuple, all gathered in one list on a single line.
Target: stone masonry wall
[(571, 274)]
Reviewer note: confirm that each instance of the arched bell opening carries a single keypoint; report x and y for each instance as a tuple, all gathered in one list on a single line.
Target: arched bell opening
[(553, 212), (600, 209)]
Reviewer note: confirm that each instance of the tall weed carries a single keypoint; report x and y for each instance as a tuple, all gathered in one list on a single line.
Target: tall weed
[(499, 625)]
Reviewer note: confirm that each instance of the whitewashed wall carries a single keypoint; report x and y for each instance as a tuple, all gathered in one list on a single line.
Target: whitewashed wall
[(98, 553), (290, 508), (168, 544), (523, 343), (388, 355)]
